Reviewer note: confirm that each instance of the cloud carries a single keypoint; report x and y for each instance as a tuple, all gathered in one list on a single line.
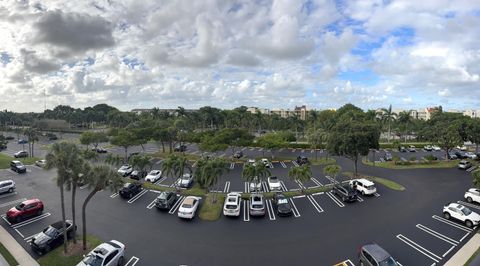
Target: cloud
[(444, 93), (38, 65)]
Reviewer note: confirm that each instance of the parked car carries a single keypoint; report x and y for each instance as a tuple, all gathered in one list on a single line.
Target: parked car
[(18, 167), (346, 193), (20, 154), (125, 170), (461, 155), (3, 146), (255, 185), (41, 163), (9, 137), (180, 148), (302, 160), (462, 148), (412, 148), (231, 207), (238, 154), (461, 213), (364, 186), (402, 149), (452, 156), (274, 184), (185, 181), (52, 136), (26, 209), (106, 254), (282, 205), (130, 189), (22, 141), (153, 176), (472, 195), (51, 237), (166, 200), (99, 150), (251, 162), (374, 255), (428, 148), (436, 148), (188, 207), (471, 155), (137, 175), (266, 162), (388, 156), (7, 186), (464, 165), (257, 205)]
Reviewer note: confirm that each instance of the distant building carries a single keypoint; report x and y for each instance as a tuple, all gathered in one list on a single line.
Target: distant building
[(255, 110), (139, 111), (301, 111)]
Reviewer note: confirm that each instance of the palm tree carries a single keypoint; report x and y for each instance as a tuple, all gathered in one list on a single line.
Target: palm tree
[(300, 174), (32, 136), (63, 156), (332, 170), (388, 116), (140, 162), (174, 166), (313, 116), (405, 119), (114, 159), (98, 178), (208, 173), (257, 171)]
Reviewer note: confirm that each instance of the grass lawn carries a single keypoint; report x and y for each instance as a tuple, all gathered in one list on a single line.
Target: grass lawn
[(8, 257), (322, 161), (386, 182), (211, 211), (414, 165), (57, 258), (5, 160)]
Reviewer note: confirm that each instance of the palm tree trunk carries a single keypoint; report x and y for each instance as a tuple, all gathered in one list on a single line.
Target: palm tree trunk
[(163, 147), (355, 160), (84, 217), (74, 192), (62, 199), (389, 132)]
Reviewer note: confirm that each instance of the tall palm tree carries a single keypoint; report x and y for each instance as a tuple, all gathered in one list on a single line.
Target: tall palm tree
[(258, 171), (32, 136), (313, 116), (405, 119), (208, 172), (175, 165), (332, 170), (300, 174), (98, 178), (388, 116)]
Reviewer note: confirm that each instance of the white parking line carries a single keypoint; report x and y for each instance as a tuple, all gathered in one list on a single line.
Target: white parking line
[(315, 203), (448, 251), (300, 184), (261, 149), (232, 166), (331, 179), (376, 194), (227, 187), (337, 201), (311, 151), (443, 220), (84, 186), (8, 195), (114, 195), (176, 205), (419, 248), (461, 239), (132, 261), (303, 151), (31, 220), (252, 148), (247, 187), (13, 202), (271, 212), (132, 200), (150, 206), (296, 213), (299, 197), (222, 155), (283, 164), (18, 232), (437, 234), (294, 150), (318, 193), (295, 163), (246, 213), (284, 188), (265, 186), (314, 180), (469, 205), (29, 238), (244, 148), (160, 180), (359, 199)]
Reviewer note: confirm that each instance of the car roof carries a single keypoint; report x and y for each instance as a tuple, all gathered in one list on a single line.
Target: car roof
[(5, 181), (365, 181), (16, 161), (474, 190), (30, 201), (376, 251), (463, 161), (189, 200)]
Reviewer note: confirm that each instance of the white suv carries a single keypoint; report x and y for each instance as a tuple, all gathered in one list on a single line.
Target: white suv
[(462, 214), (106, 254), (274, 184), (7, 186), (472, 195), (364, 186), (231, 207)]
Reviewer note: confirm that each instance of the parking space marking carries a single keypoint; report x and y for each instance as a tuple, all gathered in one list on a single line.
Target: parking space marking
[(318, 193), (300, 184), (271, 213), (461, 239), (232, 166), (283, 164), (469, 205), (222, 155), (337, 201), (150, 206), (315, 203), (299, 196), (376, 194), (295, 163), (359, 199), (284, 188), (29, 238), (31, 220), (84, 186), (443, 220), (9, 195), (265, 186), (252, 148), (176, 205), (160, 180), (471, 169), (114, 195), (437, 234), (448, 251), (132, 261), (246, 213), (419, 248), (244, 148), (296, 213), (293, 150), (314, 180), (345, 263), (143, 192), (227, 187), (247, 187), (331, 179), (13, 202), (261, 149)]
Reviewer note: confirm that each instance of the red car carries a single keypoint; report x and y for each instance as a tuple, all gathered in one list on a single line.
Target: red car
[(26, 209)]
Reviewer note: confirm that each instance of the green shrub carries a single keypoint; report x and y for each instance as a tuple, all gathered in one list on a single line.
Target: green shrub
[(430, 157), (413, 158)]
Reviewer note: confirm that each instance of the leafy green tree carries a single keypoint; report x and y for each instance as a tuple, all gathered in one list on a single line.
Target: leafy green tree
[(124, 139), (300, 174), (474, 132), (405, 119), (446, 136), (93, 137), (174, 166), (140, 162), (332, 170), (32, 136), (209, 171), (258, 171), (387, 117), (114, 159), (271, 141)]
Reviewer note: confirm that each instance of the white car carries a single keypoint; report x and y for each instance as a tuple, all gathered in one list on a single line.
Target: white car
[(462, 214), (106, 254), (41, 163), (266, 163), (255, 185), (472, 195), (231, 207), (274, 184), (436, 148), (462, 148), (185, 181), (251, 162), (464, 165), (125, 170), (364, 186), (471, 155), (189, 207), (153, 176), (7, 186)]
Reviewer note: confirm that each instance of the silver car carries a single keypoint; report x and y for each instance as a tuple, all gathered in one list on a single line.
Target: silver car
[(7, 186), (257, 205)]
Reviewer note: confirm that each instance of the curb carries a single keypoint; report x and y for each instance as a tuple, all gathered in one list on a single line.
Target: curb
[(17, 251), (462, 255)]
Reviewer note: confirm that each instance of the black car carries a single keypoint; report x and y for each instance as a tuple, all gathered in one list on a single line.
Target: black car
[(18, 167), (166, 200), (130, 189), (283, 206), (302, 160), (461, 155), (346, 193), (51, 136), (388, 156), (180, 148), (9, 137), (3, 146), (22, 141), (238, 154), (51, 237), (137, 175)]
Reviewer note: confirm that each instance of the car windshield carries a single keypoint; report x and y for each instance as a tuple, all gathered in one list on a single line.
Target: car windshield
[(466, 211), (126, 185), (154, 172), (50, 231), (388, 262), (93, 260), (162, 196), (273, 179), (282, 201), (370, 187), (257, 206), (186, 205), (20, 206)]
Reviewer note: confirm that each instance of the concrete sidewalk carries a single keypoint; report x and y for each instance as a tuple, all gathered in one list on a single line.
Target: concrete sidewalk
[(462, 256), (17, 251)]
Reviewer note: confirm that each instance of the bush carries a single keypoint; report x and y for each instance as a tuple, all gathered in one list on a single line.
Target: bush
[(413, 158), (430, 157)]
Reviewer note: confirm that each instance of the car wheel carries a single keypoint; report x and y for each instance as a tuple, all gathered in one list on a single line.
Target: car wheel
[(469, 199), (18, 219), (130, 196), (120, 261), (363, 193), (361, 263), (469, 224), (446, 215), (39, 212), (47, 249), (10, 190)]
